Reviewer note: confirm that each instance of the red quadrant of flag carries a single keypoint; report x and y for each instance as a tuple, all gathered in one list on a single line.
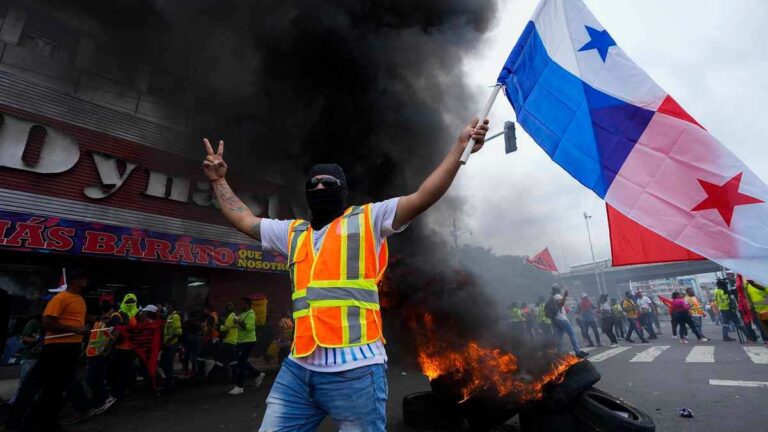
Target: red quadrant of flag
[(632, 243)]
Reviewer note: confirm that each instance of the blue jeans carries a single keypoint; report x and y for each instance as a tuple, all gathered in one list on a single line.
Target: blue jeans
[(300, 399), (564, 326)]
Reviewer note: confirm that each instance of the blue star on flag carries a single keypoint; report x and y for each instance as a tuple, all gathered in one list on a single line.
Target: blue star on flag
[(601, 41)]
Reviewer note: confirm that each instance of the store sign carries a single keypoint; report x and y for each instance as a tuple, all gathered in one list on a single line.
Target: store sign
[(26, 232), (60, 152)]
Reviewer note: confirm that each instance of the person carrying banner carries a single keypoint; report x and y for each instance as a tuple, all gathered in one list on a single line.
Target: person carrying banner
[(337, 259)]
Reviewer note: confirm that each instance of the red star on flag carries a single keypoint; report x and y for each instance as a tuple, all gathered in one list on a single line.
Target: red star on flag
[(724, 198)]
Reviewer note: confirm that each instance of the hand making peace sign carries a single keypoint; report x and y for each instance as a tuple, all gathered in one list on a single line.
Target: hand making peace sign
[(214, 166)]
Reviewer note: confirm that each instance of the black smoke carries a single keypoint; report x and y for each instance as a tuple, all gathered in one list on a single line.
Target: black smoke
[(373, 85)]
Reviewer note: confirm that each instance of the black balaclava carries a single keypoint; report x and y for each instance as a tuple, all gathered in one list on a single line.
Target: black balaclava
[(329, 203)]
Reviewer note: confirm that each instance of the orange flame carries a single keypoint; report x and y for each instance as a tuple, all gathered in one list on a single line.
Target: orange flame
[(482, 368)]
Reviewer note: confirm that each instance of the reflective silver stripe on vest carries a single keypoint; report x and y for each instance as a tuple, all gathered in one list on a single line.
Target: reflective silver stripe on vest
[(353, 320), (300, 304), (353, 244), (363, 295)]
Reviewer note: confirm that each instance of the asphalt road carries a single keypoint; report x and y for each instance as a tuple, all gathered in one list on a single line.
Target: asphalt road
[(669, 379)]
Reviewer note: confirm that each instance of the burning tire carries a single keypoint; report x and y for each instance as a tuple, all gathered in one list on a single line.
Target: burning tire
[(604, 412), (483, 416), (424, 411), (576, 380)]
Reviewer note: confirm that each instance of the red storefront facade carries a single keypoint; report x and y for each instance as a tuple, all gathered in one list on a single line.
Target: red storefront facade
[(83, 185)]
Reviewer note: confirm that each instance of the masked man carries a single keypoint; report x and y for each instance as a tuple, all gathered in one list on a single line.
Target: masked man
[(337, 361)]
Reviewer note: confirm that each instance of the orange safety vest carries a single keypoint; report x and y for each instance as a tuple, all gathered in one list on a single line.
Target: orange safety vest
[(335, 292), (123, 343), (98, 340), (696, 308), (212, 332)]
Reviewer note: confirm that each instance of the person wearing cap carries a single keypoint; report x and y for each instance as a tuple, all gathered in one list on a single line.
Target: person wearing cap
[(336, 259), (64, 326), (588, 320), (148, 314)]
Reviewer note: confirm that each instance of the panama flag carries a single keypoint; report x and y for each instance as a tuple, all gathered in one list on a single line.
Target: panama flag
[(607, 123)]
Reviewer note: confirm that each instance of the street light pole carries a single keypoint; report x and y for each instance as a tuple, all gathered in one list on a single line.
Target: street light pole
[(592, 250)]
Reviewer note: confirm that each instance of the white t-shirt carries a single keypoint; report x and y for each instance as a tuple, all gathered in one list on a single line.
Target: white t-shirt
[(644, 303), (561, 312), (274, 237)]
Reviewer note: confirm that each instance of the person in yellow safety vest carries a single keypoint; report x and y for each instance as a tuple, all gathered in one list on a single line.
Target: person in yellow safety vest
[(99, 344), (758, 297), (246, 340), (727, 314), (120, 371), (171, 334), (517, 321), (545, 324), (336, 260), (697, 310), (228, 331)]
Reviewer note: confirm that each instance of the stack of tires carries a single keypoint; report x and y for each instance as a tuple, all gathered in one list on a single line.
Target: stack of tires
[(572, 405)]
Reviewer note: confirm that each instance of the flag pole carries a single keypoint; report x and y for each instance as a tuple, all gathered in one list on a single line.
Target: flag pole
[(483, 115)]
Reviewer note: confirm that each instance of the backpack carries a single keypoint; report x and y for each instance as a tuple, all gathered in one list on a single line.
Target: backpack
[(550, 308)]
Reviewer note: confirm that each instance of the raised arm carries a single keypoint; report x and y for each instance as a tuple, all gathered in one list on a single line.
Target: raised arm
[(237, 213), (435, 186)]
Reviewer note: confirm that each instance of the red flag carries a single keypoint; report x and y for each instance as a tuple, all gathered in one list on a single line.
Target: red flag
[(632, 243), (543, 261), (667, 302), (146, 341)]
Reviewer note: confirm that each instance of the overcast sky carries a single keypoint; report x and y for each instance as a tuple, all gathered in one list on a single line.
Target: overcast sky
[(710, 55)]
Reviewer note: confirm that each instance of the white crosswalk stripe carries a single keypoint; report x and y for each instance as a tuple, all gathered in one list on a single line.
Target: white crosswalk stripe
[(607, 354), (738, 383), (757, 354), (650, 354), (701, 354)]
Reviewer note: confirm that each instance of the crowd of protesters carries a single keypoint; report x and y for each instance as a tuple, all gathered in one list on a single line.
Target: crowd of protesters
[(638, 314), (94, 359)]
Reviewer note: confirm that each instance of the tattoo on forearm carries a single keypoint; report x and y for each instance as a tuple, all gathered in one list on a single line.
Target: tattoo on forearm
[(228, 199)]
